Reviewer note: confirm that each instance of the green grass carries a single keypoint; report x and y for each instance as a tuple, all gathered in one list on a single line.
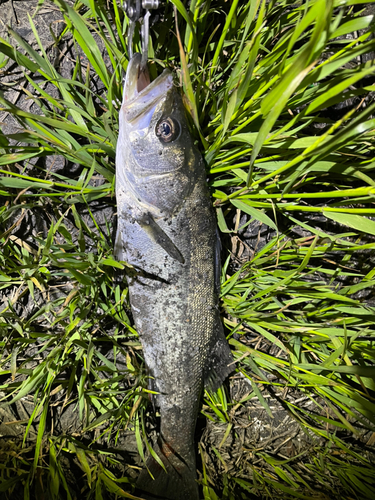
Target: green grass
[(257, 79)]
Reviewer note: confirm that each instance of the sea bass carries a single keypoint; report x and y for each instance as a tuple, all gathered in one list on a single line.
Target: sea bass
[(167, 231)]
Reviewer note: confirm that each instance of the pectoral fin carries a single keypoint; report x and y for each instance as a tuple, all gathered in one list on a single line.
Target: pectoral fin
[(158, 236)]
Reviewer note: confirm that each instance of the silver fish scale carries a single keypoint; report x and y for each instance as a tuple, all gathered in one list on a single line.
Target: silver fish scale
[(178, 321), (176, 318), (167, 231)]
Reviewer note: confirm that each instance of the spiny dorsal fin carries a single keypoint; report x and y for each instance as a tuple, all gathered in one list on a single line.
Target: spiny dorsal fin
[(220, 362)]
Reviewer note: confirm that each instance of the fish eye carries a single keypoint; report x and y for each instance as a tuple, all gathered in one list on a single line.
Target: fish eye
[(167, 130)]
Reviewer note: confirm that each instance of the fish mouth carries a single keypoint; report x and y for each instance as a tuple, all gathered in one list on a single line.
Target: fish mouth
[(140, 94)]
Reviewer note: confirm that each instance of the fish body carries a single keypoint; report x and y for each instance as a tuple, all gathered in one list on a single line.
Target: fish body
[(167, 230)]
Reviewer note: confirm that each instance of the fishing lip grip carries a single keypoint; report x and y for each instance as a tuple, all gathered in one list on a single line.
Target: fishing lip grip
[(135, 9)]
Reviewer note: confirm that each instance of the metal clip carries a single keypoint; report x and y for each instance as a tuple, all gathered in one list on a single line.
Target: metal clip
[(135, 9)]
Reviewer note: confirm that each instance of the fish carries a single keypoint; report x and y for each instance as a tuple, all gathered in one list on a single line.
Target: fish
[(167, 231)]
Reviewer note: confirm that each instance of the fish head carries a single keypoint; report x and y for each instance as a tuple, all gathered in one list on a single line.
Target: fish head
[(156, 156)]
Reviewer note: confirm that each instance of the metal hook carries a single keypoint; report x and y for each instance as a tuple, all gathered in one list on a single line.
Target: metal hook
[(135, 9), (145, 35)]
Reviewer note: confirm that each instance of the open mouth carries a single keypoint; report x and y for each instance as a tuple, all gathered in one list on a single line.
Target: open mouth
[(140, 94), (137, 79)]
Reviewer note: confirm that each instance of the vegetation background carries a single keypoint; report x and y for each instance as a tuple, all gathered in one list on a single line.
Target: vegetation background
[(281, 95)]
